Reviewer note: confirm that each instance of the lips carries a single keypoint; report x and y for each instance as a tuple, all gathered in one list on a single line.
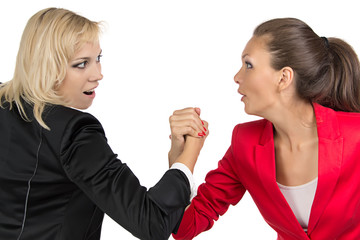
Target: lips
[(90, 92), (243, 95)]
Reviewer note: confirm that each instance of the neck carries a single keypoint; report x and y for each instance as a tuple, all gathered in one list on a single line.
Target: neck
[(294, 125)]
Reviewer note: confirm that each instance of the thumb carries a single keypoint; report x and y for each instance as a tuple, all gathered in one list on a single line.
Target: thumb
[(197, 110)]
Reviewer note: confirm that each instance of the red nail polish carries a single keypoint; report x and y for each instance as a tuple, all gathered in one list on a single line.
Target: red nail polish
[(205, 129), (201, 134), (202, 122)]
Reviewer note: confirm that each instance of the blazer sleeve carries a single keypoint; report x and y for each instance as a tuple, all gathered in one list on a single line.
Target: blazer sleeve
[(221, 188), (90, 163)]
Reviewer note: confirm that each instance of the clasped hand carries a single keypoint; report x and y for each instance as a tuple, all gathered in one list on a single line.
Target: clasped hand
[(188, 134)]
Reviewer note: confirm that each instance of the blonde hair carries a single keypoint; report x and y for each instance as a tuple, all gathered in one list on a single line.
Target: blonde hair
[(50, 39)]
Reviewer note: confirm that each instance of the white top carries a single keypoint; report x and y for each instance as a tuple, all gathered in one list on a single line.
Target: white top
[(300, 198)]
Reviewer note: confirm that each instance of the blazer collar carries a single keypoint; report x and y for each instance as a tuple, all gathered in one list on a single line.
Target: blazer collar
[(329, 161), (327, 123), (329, 164)]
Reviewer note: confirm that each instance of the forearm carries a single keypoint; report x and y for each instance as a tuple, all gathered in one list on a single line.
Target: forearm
[(157, 213), (177, 146), (152, 214), (221, 189), (192, 224), (191, 152), (189, 175)]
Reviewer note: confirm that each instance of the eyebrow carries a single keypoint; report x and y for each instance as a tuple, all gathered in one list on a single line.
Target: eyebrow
[(86, 58), (243, 56)]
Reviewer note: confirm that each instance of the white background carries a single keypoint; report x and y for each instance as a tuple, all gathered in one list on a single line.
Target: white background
[(163, 55)]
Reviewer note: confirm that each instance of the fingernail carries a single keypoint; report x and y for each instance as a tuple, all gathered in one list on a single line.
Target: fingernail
[(201, 134), (205, 129), (202, 122)]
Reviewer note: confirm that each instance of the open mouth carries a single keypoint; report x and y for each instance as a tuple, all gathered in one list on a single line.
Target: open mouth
[(90, 92)]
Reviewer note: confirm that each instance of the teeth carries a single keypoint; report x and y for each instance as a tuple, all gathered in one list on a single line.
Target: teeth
[(89, 92)]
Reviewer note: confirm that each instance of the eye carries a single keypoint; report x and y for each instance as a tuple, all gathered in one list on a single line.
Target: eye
[(81, 65), (248, 65), (98, 58)]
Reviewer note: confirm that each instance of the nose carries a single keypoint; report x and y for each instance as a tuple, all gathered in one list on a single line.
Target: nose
[(96, 74), (237, 77)]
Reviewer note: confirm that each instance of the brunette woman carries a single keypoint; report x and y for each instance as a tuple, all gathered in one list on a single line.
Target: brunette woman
[(300, 163)]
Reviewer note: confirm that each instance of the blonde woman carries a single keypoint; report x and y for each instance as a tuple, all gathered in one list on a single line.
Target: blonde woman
[(58, 176)]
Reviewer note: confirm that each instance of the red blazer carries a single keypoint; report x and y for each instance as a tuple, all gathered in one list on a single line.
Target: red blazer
[(249, 165)]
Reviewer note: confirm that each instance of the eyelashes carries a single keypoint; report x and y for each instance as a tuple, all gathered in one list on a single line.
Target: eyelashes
[(248, 65), (80, 65), (99, 57), (83, 64)]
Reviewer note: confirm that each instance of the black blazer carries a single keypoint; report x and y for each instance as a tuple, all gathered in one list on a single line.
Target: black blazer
[(58, 184)]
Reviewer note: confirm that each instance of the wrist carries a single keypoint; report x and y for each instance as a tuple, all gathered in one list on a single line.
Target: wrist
[(172, 156), (189, 157), (174, 152), (194, 145)]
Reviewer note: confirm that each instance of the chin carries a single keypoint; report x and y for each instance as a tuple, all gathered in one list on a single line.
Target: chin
[(84, 107), (249, 111), (81, 106)]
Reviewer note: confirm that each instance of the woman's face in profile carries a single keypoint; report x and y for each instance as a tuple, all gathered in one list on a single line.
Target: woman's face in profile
[(257, 79), (82, 76)]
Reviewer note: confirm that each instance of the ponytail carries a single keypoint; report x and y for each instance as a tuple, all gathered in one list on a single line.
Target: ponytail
[(327, 71), (344, 94)]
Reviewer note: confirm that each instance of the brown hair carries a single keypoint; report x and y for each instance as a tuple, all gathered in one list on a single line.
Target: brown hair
[(327, 70)]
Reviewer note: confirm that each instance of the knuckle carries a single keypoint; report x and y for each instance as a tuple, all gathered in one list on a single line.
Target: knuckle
[(194, 117), (188, 129)]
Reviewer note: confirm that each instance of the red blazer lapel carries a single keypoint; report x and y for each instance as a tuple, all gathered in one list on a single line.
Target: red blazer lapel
[(330, 160), (265, 164), (265, 159)]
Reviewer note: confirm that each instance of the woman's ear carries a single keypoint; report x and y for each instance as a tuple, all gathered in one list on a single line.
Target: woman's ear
[(286, 78)]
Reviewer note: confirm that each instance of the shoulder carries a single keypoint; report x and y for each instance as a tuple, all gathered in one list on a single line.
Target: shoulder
[(340, 123), (348, 118), (328, 114), (251, 126), (66, 124), (249, 131), (57, 116), (348, 123)]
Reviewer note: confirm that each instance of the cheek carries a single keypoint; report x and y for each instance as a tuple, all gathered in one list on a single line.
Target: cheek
[(268, 81), (73, 81), (255, 85), (68, 87), (62, 88), (263, 88)]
